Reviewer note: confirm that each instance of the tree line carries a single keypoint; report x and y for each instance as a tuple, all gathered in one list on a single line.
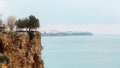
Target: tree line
[(29, 23)]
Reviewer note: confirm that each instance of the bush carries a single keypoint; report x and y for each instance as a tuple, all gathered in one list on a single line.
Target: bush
[(38, 34), (4, 58), (31, 35)]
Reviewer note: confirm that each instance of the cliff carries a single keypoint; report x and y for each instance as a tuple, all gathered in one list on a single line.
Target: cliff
[(20, 50)]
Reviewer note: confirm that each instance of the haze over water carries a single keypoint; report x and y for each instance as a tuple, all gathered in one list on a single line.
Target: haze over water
[(97, 51)]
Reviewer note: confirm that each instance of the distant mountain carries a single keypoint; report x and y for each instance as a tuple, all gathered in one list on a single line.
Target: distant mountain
[(67, 34)]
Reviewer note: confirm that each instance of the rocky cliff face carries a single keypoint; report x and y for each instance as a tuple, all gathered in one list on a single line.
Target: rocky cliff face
[(20, 50)]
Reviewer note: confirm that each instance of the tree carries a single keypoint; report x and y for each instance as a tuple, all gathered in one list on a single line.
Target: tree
[(19, 24), (1, 22), (29, 23), (11, 22), (22, 23), (33, 22)]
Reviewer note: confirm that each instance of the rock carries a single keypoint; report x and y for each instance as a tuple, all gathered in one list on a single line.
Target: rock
[(22, 51)]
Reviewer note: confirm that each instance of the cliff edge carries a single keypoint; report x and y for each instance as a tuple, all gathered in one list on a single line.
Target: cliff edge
[(20, 50)]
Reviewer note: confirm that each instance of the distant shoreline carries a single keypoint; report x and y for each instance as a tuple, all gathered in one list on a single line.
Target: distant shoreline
[(67, 34)]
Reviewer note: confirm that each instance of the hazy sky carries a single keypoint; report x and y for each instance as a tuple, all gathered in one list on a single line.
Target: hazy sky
[(97, 16)]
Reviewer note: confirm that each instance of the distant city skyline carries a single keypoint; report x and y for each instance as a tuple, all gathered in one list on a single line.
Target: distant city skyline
[(97, 16), (94, 28)]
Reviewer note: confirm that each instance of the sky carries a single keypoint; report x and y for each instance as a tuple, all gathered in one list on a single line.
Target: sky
[(97, 16)]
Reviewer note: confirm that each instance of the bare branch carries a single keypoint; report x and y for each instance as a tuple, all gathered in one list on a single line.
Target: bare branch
[(11, 22)]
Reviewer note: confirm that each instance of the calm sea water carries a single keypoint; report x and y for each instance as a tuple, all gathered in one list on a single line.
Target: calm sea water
[(98, 51)]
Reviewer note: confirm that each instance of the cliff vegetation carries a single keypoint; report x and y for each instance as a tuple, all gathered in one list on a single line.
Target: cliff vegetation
[(20, 48)]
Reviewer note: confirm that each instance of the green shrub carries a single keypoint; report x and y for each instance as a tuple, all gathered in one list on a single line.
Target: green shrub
[(4, 58), (31, 35), (38, 34)]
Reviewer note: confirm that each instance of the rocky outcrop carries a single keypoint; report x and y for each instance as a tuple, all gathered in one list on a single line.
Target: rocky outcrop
[(23, 49)]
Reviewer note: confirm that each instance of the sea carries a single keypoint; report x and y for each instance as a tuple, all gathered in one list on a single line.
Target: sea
[(97, 51)]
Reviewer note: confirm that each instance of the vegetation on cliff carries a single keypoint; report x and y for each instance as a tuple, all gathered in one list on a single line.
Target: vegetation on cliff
[(21, 48), (11, 22), (28, 23), (4, 59)]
